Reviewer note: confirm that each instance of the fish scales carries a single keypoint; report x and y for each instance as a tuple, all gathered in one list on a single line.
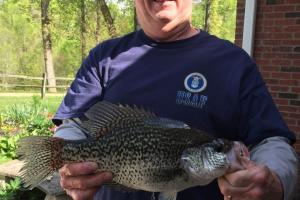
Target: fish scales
[(131, 154), (143, 151)]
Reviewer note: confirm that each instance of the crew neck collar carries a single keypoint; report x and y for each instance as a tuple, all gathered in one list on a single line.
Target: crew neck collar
[(172, 44)]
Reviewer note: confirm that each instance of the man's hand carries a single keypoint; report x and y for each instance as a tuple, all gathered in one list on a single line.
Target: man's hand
[(81, 181), (256, 182)]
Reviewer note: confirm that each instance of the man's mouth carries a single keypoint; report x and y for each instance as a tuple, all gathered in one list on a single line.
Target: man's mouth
[(162, 0)]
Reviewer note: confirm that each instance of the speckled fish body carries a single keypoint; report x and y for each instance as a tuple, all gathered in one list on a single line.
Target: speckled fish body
[(142, 150)]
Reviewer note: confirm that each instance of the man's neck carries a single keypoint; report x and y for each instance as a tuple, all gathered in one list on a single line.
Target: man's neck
[(179, 33)]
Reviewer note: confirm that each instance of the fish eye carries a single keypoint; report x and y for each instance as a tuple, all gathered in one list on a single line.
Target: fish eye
[(218, 148)]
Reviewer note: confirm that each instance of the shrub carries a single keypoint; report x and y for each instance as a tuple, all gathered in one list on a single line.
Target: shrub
[(10, 190), (23, 114), (8, 146), (14, 190), (20, 120)]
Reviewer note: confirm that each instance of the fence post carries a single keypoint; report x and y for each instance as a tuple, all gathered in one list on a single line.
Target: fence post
[(43, 91)]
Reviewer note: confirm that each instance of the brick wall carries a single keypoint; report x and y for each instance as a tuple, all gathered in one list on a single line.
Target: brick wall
[(277, 52)]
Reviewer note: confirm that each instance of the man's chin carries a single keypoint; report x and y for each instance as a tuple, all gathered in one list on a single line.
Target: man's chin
[(165, 16)]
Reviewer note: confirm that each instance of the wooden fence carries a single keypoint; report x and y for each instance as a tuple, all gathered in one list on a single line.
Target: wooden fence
[(43, 85)]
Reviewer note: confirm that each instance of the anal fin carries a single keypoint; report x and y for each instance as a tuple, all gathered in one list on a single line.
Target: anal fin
[(119, 187), (170, 195)]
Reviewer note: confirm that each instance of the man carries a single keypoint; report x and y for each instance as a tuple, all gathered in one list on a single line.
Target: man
[(186, 74)]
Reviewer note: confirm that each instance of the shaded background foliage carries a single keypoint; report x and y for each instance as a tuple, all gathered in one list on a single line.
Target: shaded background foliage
[(21, 49)]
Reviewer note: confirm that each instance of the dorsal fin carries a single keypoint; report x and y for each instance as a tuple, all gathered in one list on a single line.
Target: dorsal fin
[(102, 116)]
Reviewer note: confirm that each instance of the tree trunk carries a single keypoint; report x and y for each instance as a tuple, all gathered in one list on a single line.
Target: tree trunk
[(83, 28), (98, 13), (47, 46), (207, 15), (136, 22), (108, 18)]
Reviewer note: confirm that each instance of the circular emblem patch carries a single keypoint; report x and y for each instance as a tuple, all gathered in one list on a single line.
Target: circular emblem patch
[(195, 82)]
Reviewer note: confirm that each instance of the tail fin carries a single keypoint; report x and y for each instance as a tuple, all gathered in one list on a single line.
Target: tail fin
[(41, 155)]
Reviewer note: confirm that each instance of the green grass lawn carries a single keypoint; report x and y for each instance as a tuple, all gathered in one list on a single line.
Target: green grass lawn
[(52, 102)]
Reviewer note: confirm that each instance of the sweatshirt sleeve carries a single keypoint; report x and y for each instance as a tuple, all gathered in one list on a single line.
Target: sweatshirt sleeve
[(85, 90), (277, 154), (70, 129)]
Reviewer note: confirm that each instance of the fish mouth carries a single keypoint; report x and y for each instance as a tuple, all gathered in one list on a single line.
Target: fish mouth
[(237, 156)]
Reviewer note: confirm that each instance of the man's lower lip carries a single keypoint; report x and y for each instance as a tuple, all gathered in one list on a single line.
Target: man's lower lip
[(162, 0)]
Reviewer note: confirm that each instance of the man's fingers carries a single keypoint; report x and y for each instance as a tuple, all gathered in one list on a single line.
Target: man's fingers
[(77, 194), (85, 181), (254, 183), (228, 190), (76, 169), (81, 180), (245, 177), (240, 178)]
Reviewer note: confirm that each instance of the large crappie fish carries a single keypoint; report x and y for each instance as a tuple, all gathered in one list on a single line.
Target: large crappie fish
[(143, 151)]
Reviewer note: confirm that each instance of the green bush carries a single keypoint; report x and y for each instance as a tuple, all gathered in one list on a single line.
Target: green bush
[(24, 114), (20, 120), (14, 190), (39, 126), (10, 190), (17, 121), (8, 146)]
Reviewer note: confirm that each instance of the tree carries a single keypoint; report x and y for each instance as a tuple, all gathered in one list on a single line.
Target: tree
[(83, 30), (20, 38), (207, 15), (216, 17), (108, 18), (47, 45), (22, 49), (98, 21), (136, 22)]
